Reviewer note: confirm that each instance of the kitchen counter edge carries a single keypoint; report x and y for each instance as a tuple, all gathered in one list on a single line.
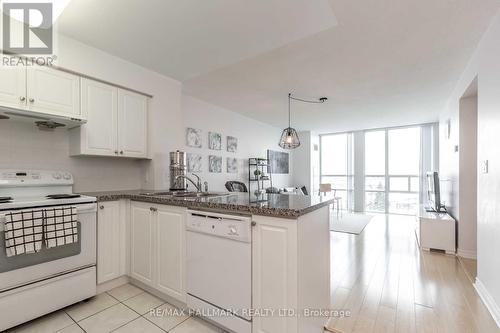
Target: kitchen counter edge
[(225, 208)]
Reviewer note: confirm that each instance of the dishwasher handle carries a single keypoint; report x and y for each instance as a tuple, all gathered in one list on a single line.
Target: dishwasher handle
[(217, 216)]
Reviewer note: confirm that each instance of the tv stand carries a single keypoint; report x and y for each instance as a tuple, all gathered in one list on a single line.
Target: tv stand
[(429, 209), (435, 231)]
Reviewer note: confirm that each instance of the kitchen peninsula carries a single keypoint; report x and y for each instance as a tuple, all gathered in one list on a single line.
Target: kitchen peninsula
[(290, 261)]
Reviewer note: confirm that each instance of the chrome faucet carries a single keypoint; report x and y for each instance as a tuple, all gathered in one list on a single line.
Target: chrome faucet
[(197, 185)]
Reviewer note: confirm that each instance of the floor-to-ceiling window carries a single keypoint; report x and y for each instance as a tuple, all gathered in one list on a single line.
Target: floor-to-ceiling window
[(403, 170), (336, 165), (389, 164), (392, 177), (375, 171)]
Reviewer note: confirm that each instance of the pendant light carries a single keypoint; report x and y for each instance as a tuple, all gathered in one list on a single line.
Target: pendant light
[(289, 137)]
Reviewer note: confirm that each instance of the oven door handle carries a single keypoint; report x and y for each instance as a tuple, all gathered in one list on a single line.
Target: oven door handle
[(86, 208)]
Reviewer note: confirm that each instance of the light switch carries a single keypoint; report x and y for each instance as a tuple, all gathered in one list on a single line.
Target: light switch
[(484, 166)]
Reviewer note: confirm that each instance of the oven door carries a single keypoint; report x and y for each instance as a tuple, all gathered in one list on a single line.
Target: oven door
[(17, 271)]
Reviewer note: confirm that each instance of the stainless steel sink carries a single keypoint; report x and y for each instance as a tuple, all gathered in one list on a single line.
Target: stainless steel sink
[(183, 194), (158, 193), (198, 194)]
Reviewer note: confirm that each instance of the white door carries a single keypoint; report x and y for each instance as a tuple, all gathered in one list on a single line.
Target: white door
[(132, 124), (171, 252), (99, 107), (109, 230), (141, 241), (274, 273), (13, 86), (53, 92)]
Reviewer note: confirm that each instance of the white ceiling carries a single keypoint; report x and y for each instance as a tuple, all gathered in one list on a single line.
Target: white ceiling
[(380, 62), (185, 38)]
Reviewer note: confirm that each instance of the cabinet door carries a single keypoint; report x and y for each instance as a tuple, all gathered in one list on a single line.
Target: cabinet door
[(171, 252), (274, 269), (53, 92), (13, 86), (132, 124), (109, 232), (141, 242), (99, 106)]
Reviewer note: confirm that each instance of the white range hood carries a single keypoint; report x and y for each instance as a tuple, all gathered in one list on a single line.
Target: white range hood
[(42, 120)]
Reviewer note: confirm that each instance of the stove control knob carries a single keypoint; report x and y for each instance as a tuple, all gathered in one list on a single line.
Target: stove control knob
[(56, 175), (67, 176)]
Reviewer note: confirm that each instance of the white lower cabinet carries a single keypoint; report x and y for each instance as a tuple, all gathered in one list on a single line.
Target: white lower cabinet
[(274, 273), (158, 247), (111, 240), (171, 251), (291, 272), (141, 242)]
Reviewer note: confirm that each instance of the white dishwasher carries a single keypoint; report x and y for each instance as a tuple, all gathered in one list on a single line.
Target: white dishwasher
[(219, 268)]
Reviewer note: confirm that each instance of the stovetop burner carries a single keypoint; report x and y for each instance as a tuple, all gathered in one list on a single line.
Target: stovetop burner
[(63, 196)]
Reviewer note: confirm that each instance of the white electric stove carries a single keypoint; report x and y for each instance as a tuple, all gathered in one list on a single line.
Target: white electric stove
[(34, 284)]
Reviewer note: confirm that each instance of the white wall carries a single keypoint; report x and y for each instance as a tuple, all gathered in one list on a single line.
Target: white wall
[(306, 160), (302, 161), (484, 65), (254, 138), (315, 167)]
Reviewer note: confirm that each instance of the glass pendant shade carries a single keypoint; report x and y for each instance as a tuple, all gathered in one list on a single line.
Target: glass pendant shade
[(289, 139)]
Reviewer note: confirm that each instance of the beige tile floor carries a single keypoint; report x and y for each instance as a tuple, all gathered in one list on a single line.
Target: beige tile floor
[(125, 309)]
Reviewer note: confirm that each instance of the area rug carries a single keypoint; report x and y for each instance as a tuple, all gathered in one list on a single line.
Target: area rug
[(349, 222)]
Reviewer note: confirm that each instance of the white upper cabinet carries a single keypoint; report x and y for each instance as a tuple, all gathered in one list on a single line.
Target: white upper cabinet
[(132, 124), (117, 122), (13, 87), (53, 92), (40, 89), (100, 107)]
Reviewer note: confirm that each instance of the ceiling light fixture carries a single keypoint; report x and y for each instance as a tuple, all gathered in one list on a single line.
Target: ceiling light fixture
[(289, 137)]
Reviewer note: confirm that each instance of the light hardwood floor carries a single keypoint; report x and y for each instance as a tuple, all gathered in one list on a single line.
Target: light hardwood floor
[(389, 285), (470, 267)]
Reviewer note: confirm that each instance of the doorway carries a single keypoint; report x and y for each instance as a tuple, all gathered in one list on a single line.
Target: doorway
[(468, 171)]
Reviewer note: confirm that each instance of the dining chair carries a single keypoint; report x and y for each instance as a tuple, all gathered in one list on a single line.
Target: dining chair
[(327, 188)]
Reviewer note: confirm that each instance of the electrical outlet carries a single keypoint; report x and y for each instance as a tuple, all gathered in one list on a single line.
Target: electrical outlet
[(484, 166)]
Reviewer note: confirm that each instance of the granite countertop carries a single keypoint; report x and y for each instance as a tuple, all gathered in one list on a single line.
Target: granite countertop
[(275, 205)]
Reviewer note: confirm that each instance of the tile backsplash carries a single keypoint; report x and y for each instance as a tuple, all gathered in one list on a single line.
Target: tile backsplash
[(23, 145)]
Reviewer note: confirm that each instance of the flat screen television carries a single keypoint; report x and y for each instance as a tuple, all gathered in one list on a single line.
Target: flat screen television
[(433, 193)]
